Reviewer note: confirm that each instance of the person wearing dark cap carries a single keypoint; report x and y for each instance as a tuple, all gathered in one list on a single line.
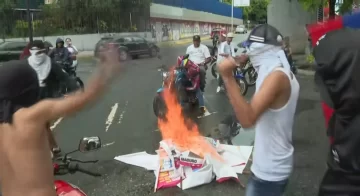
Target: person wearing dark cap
[(49, 74), (199, 54), (271, 110), (25, 164)]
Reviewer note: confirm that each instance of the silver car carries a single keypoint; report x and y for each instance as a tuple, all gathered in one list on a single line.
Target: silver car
[(241, 29)]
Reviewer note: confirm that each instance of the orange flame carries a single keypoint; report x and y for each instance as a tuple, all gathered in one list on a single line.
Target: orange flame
[(177, 129)]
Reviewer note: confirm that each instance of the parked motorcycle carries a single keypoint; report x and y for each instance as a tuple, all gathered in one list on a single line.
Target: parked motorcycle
[(61, 88), (177, 82)]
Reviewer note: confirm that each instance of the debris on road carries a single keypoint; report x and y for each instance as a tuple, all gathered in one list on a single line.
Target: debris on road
[(186, 169)]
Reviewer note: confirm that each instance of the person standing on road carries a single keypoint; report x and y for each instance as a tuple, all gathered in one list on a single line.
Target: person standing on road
[(226, 49), (199, 54), (271, 110), (25, 165), (73, 51), (336, 49)]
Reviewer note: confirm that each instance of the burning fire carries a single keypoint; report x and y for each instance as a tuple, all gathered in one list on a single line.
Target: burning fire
[(177, 129)]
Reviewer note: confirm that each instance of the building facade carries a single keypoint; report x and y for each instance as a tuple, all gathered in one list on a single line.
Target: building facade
[(178, 19)]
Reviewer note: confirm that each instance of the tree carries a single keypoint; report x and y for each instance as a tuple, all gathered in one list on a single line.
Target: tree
[(6, 22), (313, 5), (257, 11)]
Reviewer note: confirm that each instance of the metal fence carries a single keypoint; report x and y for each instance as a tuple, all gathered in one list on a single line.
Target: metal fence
[(52, 20)]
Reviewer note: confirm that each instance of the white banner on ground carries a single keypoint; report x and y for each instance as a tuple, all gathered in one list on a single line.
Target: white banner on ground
[(241, 3)]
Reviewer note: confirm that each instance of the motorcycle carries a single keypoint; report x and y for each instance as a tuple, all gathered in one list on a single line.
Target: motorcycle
[(67, 165), (177, 84), (71, 71), (226, 130), (213, 64)]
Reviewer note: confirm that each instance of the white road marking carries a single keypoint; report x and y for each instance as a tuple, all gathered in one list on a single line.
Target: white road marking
[(157, 130), (108, 144), (123, 113), (111, 116), (56, 123)]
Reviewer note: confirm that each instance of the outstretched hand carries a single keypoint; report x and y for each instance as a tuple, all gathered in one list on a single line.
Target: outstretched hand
[(109, 64)]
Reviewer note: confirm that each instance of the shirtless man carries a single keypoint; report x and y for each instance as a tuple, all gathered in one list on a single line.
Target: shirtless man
[(25, 163)]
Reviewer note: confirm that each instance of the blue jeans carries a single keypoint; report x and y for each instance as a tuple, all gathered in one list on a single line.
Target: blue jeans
[(258, 187), (200, 97)]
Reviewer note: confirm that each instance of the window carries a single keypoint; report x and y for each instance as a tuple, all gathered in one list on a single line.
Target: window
[(121, 40), (138, 39), (127, 39), (15, 46)]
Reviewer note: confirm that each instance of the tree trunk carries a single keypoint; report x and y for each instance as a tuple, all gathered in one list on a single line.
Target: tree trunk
[(332, 9)]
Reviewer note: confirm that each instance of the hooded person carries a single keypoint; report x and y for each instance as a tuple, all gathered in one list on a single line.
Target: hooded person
[(336, 52), (60, 52), (270, 112)]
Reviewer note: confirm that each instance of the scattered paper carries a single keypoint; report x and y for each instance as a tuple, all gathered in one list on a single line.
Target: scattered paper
[(140, 159), (174, 166)]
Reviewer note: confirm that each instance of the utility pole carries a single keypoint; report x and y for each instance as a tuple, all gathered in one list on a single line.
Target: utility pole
[(232, 15), (29, 21)]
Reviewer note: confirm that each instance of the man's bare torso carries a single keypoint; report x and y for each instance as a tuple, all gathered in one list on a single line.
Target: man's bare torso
[(25, 164)]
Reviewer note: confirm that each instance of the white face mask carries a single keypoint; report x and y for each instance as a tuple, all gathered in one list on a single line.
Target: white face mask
[(37, 59)]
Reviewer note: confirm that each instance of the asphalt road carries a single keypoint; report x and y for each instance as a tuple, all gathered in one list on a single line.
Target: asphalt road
[(133, 128)]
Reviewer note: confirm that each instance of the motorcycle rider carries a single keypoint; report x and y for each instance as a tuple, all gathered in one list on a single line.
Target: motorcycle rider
[(48, 73), (61, 53), (25, 165), (193, 74), (200, 55), (226, 49), (73, 51)]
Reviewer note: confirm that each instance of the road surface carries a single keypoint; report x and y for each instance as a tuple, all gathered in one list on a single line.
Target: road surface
[(124, 120)]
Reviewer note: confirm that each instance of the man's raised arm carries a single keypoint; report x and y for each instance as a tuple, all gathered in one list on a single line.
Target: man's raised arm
[(52, 109)]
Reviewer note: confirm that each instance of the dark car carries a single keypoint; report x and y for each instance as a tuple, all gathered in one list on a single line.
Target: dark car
[(10, 50), (129, 46)]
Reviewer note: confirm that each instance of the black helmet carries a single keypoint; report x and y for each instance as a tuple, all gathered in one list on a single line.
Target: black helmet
[(196, 38), (266, 34)]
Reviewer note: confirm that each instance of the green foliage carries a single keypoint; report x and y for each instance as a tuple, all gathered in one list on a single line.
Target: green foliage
[(77, 17), (257, 11), (310, 58), (312, 5)]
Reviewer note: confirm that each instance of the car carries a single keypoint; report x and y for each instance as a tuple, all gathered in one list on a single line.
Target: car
[(129, 46), (241, 29), (217, 31), (11, 50)]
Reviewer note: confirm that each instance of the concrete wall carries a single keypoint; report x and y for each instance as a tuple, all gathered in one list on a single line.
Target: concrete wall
[(175, 13), (290, 19)]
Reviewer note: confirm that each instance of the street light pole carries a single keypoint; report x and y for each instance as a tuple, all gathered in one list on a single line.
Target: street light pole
[(232, 15), (29, 21)]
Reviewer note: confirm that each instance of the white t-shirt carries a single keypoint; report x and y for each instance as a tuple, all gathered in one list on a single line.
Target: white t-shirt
[(273, 149), (225, 48), (72, 49), (199, 54)]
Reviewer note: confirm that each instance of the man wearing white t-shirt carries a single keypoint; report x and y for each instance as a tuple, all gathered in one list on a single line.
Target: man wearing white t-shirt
[(226, 49), (199, 54)]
